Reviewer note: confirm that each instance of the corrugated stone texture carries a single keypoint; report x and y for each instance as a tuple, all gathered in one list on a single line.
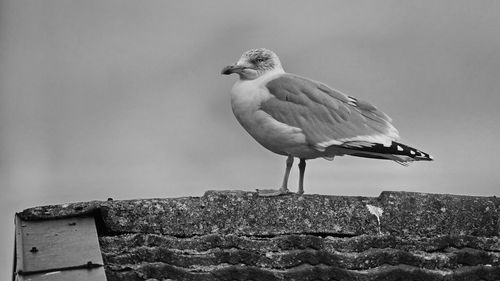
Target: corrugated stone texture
[(240, 236)]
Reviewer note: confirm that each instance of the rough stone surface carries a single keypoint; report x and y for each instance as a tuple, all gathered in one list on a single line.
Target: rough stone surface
[(237, 235)]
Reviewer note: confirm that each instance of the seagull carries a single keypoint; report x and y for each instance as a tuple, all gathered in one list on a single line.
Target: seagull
[(298, 117)]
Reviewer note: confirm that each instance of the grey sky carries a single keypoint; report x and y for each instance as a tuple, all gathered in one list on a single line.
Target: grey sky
[(125, 99)]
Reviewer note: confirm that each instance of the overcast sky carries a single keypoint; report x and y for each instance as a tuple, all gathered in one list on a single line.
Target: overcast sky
[(124, 99)]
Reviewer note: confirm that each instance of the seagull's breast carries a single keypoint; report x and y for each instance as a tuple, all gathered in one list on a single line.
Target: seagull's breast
[(246, 99)]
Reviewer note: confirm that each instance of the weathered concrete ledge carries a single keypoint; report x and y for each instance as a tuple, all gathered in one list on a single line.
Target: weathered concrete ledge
[(236, 235), (245, 213)]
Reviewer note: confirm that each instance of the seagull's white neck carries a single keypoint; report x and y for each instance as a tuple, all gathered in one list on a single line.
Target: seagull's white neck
[(247, 95), (277, 70)]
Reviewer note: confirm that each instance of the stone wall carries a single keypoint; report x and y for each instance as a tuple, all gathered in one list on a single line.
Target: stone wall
[(235, 235)]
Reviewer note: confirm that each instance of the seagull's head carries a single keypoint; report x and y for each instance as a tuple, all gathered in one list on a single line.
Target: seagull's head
[(254, 63)]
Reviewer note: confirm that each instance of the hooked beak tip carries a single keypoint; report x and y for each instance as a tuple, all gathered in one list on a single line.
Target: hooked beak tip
[(234, 68), (228, 69)]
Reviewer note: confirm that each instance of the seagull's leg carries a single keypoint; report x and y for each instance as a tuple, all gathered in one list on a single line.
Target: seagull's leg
[(284, 185), (302, 169), (289, 163)]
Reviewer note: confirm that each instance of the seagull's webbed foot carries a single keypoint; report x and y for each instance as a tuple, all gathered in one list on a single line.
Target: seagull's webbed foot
[(273, 192)]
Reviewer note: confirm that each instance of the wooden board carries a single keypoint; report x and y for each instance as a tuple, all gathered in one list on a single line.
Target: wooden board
[(58, 248)]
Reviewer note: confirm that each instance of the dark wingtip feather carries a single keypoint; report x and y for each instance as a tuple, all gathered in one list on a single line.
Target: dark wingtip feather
[(396, 148)]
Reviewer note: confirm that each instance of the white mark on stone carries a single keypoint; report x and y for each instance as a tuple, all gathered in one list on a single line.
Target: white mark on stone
[(377, 212), (443, 209), (215, 229), (337, 228), (400, 148)]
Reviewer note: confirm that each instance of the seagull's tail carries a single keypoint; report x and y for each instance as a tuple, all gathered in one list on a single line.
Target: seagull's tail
[(398, 152)]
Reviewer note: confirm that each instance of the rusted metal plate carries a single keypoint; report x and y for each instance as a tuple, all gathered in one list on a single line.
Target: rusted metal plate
[(95, 274), (69, 246)]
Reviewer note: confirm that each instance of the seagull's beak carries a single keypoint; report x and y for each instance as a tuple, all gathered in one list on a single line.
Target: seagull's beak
[(234, 68)]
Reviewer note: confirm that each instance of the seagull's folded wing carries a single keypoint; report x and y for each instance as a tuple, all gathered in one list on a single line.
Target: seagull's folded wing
[(327, 117)]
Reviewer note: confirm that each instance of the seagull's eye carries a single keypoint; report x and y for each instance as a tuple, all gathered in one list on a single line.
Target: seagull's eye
[(258, 60)]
